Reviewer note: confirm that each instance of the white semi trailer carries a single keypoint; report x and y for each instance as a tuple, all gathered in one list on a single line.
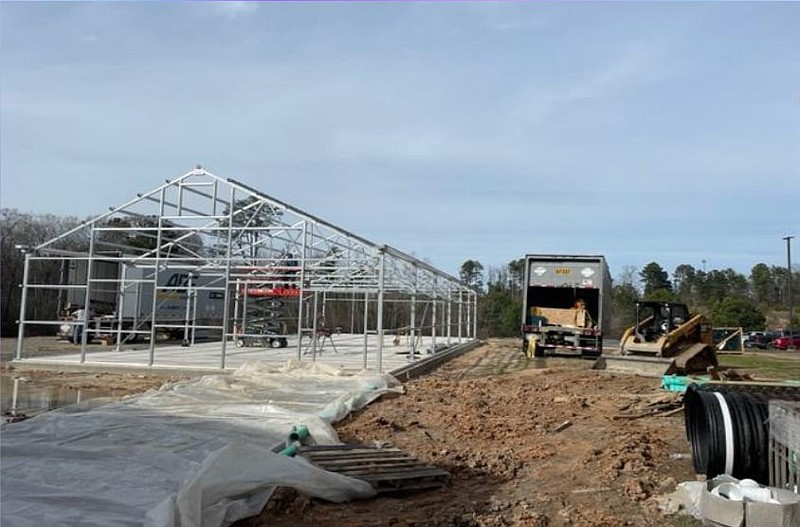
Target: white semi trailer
[(121, 299)]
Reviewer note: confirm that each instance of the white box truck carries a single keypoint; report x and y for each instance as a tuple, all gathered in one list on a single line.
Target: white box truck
[(566, 305)]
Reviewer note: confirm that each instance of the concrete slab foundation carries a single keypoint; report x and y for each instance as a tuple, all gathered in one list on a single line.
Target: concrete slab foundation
[(349, 352)]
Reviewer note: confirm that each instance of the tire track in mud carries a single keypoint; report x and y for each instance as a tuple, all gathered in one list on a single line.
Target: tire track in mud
[(502, 357)]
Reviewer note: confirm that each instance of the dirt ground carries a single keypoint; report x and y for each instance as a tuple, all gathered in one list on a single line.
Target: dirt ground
[(542, 442), (111, 384), (528, 443)]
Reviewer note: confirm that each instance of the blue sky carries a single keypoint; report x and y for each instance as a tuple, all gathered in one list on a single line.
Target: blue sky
[(665, 132)]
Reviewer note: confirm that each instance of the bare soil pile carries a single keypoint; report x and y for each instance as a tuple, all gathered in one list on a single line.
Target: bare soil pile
[(528, 443)]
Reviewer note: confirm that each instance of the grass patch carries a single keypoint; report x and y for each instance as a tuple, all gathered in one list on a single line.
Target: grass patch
[(765, 366)]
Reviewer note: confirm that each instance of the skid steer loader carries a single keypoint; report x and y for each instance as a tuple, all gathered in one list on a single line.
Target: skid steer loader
[(666, 339)]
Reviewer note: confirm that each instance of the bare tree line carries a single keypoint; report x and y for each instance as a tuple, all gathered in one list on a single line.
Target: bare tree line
[(19, 231)]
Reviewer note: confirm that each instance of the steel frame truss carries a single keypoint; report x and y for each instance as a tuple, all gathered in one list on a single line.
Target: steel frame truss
[(227, 238)]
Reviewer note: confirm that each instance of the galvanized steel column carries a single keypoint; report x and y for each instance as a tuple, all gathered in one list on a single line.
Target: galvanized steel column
[(237, 295), (366, 335), (381, 290), (156, 270), (460, 315), (433, 317), (87, 299), (185, 342), (300, 295), (475, 315), (314, 327), (226, 310), (194, 315), (353, 313), (121, 303), (413, 316), (449, 315), (469, 313), (23, 306)]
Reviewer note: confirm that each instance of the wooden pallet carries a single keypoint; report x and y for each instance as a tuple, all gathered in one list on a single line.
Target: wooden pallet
[(386, 469)]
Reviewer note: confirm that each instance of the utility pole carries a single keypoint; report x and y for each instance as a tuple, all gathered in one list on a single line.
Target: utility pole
[(789, 283)]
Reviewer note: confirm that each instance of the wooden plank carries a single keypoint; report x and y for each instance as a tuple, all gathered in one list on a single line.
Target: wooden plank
[(372, 468), (388, 487), (406, 475), (354, 453), (333, 448), (349, 455), (386, 469), (425, 471), (376, 463), (372, 459)]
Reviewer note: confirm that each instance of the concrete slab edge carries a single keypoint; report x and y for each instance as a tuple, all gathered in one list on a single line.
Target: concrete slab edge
[(428, 364), (404, 373), (100, 367)]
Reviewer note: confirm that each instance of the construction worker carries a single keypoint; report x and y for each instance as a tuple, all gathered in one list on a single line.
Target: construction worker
[(80, 316)]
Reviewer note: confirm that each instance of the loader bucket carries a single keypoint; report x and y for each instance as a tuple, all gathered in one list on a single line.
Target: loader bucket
[(696, 359), (634, 365)]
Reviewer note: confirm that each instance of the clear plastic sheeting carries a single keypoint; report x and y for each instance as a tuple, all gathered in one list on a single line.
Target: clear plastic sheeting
[(685, 499), (194, 453), (784, 423)]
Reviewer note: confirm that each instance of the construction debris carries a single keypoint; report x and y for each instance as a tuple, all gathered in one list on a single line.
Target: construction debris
[(562, 426), (663, 406)]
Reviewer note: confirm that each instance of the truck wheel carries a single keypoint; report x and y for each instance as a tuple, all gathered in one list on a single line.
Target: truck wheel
[(239, 343), (275, 343)]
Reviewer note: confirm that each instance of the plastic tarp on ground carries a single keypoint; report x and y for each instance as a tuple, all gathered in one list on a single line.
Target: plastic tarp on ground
[(194, 453)]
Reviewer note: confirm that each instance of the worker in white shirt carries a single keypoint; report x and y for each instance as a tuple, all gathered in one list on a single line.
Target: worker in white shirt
[(80, 316)]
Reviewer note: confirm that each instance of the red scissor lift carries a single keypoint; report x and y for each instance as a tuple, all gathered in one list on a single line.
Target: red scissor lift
[(261, 298)]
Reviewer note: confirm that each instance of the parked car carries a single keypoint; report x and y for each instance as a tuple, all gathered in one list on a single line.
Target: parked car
[(782, 343), (760, 339)]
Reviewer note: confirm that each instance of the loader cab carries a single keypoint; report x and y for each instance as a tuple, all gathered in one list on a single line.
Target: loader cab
[(656, 319)]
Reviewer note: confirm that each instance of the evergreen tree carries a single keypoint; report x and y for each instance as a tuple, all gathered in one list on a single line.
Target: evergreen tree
[(654, 277), (686, 281), (735, 311), (472, 274), (761, 284)]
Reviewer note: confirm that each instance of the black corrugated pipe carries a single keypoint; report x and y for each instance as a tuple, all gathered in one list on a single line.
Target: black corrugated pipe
[(728, 432)]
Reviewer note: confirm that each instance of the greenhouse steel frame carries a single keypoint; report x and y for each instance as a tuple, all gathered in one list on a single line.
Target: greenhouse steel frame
[(146, 264)]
